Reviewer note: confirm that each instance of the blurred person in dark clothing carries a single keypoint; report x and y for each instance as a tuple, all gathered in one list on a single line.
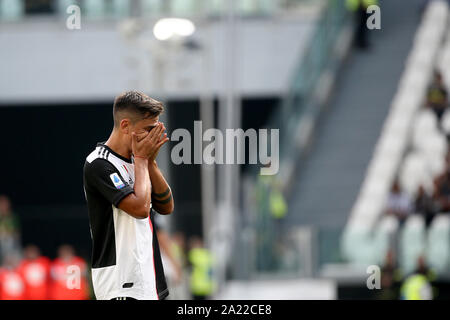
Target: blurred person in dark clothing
[(423, 268), (418, 286), (359, 9), (9, 229), (441, 193), (200, 259), (437, 95), (425, 205), (398, 203), (447, 158), (39, 6), (35, 271), (391, 277)]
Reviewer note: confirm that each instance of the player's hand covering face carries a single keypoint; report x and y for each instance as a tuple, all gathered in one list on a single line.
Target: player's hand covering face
[(144, 127), (147, 142)]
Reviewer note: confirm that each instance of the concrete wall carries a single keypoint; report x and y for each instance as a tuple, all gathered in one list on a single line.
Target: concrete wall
[(301, 289), (41, 60)]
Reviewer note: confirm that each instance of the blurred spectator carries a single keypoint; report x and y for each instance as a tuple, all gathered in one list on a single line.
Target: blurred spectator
[(173, 269), (179, 247), (418, 286), (447, 157), (172, 266), (398, 203), (271, 207), (179, 289), (278, 205), (35, 271), (269, 195), (200, 259), (265, 235), (359, 9), (437, 95), (422, 268), (390, 278), (39, 6), (441, 193), (9, 229), (425, 205), (68, 273), (12, 286)]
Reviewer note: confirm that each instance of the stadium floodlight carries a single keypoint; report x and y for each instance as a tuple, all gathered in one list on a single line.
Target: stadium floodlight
[(168, 28)]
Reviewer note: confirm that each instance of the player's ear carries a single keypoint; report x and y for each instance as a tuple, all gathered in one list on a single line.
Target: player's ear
[(125, 126)]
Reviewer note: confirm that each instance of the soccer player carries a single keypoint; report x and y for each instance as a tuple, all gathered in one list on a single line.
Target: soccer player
[(123, 184)]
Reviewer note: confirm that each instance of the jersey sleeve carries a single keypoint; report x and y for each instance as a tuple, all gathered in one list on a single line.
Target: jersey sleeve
[(106, 179)]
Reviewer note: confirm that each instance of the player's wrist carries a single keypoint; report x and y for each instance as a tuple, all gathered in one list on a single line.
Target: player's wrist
[(152, 164), (140, 158)]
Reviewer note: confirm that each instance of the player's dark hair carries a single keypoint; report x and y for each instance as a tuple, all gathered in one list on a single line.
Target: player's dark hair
[(137, 103)]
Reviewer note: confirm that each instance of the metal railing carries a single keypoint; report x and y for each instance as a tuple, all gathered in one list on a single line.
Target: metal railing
[(297, 112), (300, 107)]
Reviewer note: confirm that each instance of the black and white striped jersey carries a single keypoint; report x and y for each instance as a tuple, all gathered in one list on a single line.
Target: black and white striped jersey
[(126, 260)]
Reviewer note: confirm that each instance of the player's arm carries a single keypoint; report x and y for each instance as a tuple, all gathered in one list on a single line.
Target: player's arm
[(138, 204), (162, 199)]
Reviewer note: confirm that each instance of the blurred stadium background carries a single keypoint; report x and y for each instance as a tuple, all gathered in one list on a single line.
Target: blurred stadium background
[(364, 174)]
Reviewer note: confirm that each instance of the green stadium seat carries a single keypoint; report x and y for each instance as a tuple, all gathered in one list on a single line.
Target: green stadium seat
[(438, 244), (183, 8), (215, 7), (11, 9), (94, 8), (247, 7), (256, 7), (412, 243), (267, 6), (121, 8), (62, 6), (383, 238), (152, 7), (357, 246)]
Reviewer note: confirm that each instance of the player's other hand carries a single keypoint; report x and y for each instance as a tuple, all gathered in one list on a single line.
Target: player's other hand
[(148, 146), (162, 140), (141, 135)]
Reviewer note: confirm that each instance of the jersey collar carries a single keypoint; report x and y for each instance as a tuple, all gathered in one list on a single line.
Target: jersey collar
[(102, 144)]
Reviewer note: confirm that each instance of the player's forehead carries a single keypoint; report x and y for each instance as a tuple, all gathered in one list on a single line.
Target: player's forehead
[(148, 122)]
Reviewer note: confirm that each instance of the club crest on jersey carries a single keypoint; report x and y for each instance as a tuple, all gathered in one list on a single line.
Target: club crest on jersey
[(118, 183)]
